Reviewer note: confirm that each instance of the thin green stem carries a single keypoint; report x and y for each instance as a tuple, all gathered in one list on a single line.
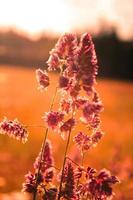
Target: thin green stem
[(53, 99), (72, 161), (43, 147), (63, 167), (64, 161), (34, 126), (82, 159), (39, 168)]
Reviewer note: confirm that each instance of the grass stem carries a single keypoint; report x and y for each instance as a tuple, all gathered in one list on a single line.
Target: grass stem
[(43, 146)]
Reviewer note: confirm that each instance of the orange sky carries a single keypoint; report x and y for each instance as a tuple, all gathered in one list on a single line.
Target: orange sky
[(66, 15)]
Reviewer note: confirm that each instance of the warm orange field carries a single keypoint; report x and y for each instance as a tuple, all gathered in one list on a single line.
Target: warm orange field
[(20, 98)]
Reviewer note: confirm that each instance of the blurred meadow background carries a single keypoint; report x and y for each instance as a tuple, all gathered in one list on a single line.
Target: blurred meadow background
[(28, 31)]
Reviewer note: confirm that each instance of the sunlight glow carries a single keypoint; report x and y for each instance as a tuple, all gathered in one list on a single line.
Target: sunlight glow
[(51, 15), (58, 16)]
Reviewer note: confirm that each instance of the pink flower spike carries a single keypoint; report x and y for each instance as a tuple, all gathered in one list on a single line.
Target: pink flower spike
[(14, 129), (47, 158), (30, 183), (78, 172), (100, 186), (96, 137), (63, 82), (53, 118), (69, 189), (90, 172), (95, 122), (53, 62), (80, 102), (67, 125), (66, 46), (88, 63), (66, 105), (83, 141), (64, 49), (90, 110), (42, 79)]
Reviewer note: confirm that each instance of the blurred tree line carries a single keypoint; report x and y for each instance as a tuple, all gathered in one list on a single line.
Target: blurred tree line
[(115, 56)]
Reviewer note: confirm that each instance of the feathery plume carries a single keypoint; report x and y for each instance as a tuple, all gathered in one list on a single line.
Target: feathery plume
[(53, 119), (69, 188), (42, 79), (47, 160), (14, 129)]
